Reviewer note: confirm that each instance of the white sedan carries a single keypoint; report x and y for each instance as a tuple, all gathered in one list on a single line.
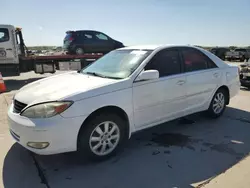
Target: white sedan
[(133, 88)]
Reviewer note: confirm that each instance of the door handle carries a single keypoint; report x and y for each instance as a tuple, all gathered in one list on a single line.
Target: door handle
[(181, 82), (216, 75), (8, 49)]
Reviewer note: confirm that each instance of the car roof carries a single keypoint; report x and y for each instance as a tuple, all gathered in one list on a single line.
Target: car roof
[(88, 31), (153, 47), (157, 48), (80, 31)]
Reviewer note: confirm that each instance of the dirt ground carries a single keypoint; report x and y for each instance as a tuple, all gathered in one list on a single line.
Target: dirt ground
[(198, 152)]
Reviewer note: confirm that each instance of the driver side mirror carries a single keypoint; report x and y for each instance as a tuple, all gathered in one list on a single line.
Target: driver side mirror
[(147, 75)]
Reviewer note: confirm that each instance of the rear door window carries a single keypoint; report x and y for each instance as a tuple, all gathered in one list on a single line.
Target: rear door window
[(88, 36), (4, 35), (195, 60)]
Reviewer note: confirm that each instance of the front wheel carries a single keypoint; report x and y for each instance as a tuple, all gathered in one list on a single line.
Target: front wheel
[(218, 104), (101, 137)]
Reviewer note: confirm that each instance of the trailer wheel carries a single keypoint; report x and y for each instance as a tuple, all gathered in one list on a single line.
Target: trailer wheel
[(79, 51)]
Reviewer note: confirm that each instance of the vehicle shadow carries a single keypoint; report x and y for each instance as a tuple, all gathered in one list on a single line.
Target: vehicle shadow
[(245, 89), (19, 170), (174, 154), (12, 84)]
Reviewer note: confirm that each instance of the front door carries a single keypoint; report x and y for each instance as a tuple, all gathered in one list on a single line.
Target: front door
[(164, 98), (104, 43), (8, 52)]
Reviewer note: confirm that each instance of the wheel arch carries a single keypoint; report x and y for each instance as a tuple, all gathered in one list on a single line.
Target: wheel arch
[(107, 109), (226, 89)]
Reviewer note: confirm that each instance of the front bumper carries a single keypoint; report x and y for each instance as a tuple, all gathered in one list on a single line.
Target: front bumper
[(61, 133)]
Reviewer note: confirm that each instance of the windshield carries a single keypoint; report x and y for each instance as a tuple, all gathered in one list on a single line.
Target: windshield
[(4, 35), (117, 64)]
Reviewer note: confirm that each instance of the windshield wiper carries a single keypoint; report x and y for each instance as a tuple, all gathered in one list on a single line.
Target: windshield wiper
[(101, 75)]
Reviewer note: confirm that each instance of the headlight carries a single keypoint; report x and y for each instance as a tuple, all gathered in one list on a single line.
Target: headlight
[(46, 110)]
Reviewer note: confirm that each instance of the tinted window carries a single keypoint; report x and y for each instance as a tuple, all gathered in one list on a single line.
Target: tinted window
[(88, 36), (240, 50), (195, 60), (4, 35), (68, 36), (167, 62), (101, 36)]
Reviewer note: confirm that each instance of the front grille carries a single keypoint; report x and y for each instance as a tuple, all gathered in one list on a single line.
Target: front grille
[(18, 106)]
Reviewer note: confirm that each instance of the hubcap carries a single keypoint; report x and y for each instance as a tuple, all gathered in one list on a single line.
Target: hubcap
[(218, 103), (104, 138), (79, 51)]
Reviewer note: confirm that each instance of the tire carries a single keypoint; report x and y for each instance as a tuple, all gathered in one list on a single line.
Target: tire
[(242, 59), (92, 150), (214, 112), (79, 51)]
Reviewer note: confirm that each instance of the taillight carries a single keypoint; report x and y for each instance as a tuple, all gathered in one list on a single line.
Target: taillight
[(71, 38)]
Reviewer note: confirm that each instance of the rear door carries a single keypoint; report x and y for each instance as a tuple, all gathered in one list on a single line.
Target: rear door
[(90, 44), (202, 76), (8, 50)]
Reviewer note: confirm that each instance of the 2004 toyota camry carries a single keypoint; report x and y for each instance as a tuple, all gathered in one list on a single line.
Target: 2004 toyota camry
[(95, 110)]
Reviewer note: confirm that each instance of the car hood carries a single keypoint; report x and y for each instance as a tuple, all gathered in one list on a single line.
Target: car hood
[(60, 87)]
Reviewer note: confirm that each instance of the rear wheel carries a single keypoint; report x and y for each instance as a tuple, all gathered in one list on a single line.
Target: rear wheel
[(79, 51), (102, 136), (218, 103)]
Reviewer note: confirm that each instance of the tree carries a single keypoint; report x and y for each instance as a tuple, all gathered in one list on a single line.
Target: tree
[(232, 47)]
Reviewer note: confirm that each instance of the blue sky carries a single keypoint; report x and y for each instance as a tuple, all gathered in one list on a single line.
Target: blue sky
[(201, 22)]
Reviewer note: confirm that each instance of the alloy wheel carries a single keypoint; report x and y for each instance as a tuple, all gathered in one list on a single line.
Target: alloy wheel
[(218, 103), (104, 138)]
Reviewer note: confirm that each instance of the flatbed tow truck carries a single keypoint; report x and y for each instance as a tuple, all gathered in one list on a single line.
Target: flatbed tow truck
[(15, 59)]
